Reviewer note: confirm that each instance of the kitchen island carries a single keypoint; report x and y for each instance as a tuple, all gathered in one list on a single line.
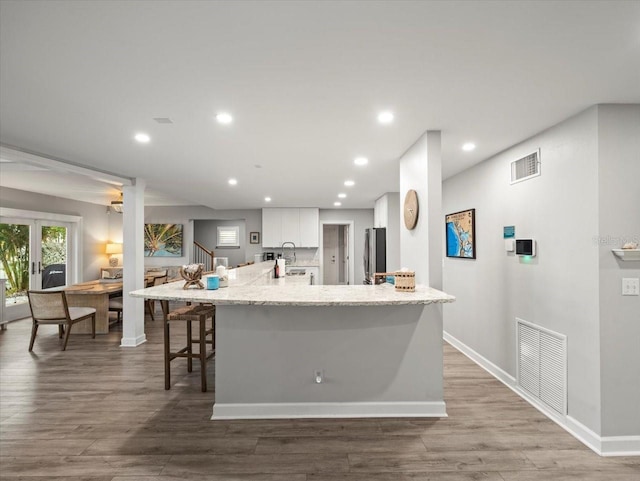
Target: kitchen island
[(285, 349)]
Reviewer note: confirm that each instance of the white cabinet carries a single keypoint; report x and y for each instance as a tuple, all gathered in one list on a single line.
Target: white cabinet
[(271, 228), (290, 226), (380, 211), (297, 225), (309, 222)]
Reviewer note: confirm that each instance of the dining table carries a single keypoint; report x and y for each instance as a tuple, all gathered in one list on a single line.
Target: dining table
[(96, 294)]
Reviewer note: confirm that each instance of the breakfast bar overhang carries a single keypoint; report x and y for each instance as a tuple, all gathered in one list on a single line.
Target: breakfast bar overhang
[(301, 351)]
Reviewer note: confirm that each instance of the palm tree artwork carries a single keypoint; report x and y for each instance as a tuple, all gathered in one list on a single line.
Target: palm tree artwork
[(163, 240)]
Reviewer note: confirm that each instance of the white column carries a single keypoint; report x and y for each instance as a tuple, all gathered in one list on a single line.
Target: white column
[(421, 248), (133, 272)]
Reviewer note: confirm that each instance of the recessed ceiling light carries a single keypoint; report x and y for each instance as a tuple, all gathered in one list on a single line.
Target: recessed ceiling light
[(224, 118), (468, 147), (142, 138), (349, 183), (342, 195), (361, 161), (337, 204), (233, 181), (267, 199), (385, 117)]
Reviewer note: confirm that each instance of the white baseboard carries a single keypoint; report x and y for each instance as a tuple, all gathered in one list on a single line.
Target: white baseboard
[(133, 341), (329, 410), (620, 446), (602, 445), (481, 361)]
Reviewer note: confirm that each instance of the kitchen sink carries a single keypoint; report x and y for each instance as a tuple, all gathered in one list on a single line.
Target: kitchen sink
[(296, 272)]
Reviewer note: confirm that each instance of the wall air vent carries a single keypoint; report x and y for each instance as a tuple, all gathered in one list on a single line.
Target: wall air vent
[(163, 120), (542, 364), (526, 167)]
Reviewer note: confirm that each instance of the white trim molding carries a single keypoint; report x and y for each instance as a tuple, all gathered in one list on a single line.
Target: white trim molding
[(75, 234), (602, 445), (24, 156), (352, 249), (133, 341), (329, 410)]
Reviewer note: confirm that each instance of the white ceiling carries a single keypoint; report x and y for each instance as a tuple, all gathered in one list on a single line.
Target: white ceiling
[(304, 81)]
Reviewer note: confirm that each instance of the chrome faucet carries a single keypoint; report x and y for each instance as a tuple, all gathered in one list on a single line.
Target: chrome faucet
[(294, 251)]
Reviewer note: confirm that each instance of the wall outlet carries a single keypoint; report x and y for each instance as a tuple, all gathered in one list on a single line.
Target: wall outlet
[(630, 286)]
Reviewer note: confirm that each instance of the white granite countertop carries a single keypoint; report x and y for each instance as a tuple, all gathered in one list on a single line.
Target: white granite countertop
[(255, 285), (283, 292)]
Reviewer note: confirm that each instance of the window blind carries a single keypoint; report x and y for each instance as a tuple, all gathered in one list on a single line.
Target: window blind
[(228, 236)]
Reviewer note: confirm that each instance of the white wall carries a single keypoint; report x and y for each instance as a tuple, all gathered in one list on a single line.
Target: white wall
[(619, 196), (95, 223), (362, 219), (185, 215), (206, 233), (558, 288)]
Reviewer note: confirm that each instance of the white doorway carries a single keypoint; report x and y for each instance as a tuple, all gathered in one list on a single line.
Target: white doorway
[(337, 253)]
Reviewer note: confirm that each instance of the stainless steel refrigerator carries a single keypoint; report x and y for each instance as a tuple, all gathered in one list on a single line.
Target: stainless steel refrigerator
[(375, 252)]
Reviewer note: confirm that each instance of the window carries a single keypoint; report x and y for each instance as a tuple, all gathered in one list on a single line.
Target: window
[(228, 236)]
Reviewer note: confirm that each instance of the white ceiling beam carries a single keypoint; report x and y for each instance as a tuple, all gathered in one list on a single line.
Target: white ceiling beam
[(14, 154)]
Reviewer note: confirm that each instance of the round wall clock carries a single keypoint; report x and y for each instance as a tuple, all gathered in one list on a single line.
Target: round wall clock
[(411, 209)]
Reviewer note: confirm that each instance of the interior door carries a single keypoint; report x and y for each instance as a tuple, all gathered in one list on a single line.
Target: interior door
[(330, 246), (34, 254)]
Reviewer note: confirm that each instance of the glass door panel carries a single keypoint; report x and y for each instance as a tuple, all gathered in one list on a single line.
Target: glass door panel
[(34, 254), (15, 264), (52, 266)]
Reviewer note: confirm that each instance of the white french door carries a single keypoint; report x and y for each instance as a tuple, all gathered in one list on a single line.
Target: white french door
[(35, 254)]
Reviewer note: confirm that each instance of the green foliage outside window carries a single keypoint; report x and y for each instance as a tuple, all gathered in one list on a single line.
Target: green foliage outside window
[(14, 255)]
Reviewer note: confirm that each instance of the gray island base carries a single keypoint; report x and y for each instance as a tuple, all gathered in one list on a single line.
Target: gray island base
[(300, 351), (375, 361)]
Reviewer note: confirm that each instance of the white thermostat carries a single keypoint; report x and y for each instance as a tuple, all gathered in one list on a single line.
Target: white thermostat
[(525, 247)]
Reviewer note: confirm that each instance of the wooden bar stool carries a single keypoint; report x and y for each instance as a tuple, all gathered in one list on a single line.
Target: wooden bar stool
[(190, 314)]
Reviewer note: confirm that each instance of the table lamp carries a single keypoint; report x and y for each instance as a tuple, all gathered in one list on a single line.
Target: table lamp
[(112, 250)]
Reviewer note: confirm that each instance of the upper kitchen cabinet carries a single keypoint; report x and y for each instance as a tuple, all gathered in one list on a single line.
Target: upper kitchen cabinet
[(290, 226), (271, 228), (309, 225), (299, 226)]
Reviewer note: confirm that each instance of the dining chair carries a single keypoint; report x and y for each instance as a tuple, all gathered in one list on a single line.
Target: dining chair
[(50, 307), (159, 277), (150, 303), (116, 303)]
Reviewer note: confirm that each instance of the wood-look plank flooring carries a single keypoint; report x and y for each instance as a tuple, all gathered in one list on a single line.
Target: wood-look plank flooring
[(99, 412)]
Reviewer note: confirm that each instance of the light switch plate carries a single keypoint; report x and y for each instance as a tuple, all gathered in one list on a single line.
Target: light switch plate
[(630, 286)]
